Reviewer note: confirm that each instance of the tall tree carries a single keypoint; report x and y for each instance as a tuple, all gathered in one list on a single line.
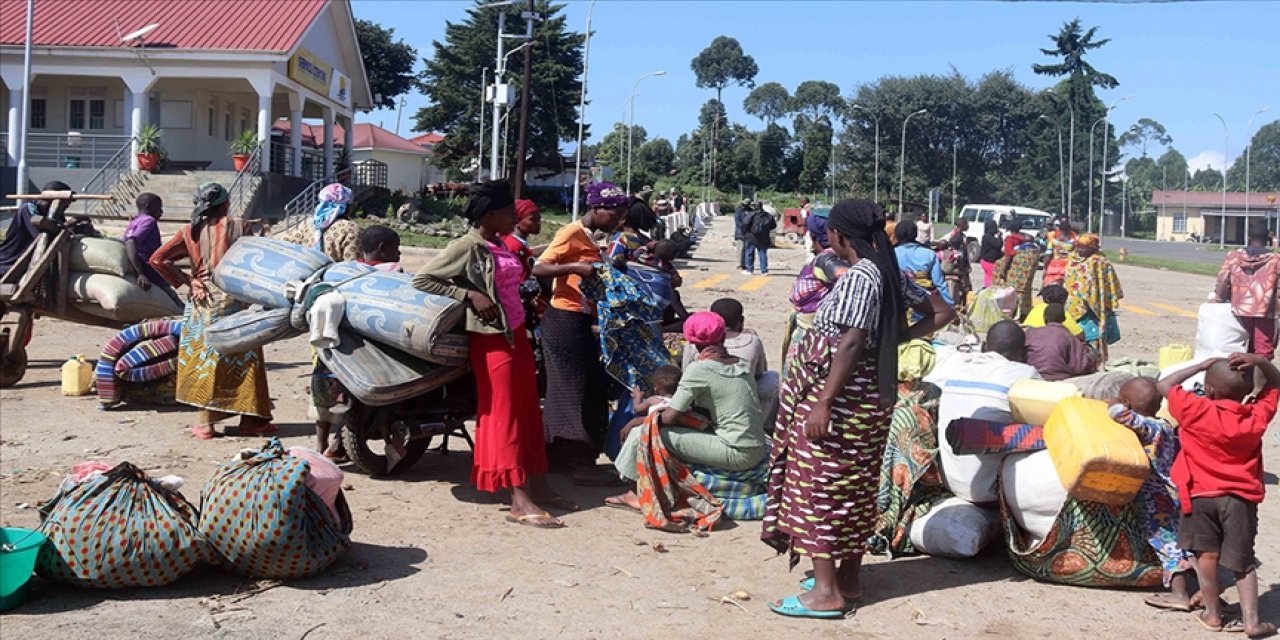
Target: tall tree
[(721, 64), (1144, 133), (653, 160), (612, 150), (451, 81), (817, 99), (388, 62), (769, 102), (1264, 161), (1071, 43), (1207, 179)]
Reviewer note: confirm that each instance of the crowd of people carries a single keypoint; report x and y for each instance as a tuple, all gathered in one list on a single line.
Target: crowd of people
[(803, 446)]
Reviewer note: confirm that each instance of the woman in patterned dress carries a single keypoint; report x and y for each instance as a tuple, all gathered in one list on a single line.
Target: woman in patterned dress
[(834, 419), (219, 385), (1018, 272), (1095, 293)]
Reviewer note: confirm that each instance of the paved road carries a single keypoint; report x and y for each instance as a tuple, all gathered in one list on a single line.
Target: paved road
[(1184, 251)]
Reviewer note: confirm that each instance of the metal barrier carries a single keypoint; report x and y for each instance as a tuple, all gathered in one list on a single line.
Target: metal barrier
[(358, 177), (116, 177), (73, 150), (242, 191)]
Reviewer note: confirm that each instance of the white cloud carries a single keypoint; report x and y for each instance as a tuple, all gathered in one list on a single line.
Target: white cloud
[(1205, 160)]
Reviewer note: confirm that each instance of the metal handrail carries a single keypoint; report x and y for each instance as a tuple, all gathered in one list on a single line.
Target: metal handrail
[(116, 175), (358, 176), (245, 187)]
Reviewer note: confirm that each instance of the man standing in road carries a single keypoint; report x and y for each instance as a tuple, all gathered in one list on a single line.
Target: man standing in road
[(740, 216), (1248, 280), (924, 230), (757, 235)]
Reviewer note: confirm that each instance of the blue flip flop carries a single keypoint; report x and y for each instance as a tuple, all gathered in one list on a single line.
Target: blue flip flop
[(793, 608)]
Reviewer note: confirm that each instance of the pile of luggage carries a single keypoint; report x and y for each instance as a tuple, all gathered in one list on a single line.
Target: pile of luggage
[(103, 284)]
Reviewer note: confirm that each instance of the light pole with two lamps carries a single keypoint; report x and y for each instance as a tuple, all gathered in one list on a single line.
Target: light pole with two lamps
[(902, 157), (632, 125), (1226, 143)]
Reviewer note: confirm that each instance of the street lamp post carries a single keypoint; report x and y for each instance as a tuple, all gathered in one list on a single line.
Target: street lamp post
[(582, 115), (902, 156), (1102, 204), (1071, 155), (631, 127), (1226, 143), (954, 139), (875, 193), (1248, 150), (1062, 183)]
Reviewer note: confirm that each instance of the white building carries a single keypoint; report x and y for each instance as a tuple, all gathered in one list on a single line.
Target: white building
[(206, 71)]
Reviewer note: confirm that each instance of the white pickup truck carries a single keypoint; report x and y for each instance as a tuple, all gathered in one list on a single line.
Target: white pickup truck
[(1033, 221)]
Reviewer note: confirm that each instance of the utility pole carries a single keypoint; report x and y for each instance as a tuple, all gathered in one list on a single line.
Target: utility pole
[(529, 18), (484, 88), (582, 115), (24, 109)]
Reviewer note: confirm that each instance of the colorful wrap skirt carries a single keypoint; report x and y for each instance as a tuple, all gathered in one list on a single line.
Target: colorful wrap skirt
[(822, 495), (234, 384)]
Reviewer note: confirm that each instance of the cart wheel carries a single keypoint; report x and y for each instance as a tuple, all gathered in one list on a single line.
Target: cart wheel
[(368, 436), (14, 367)]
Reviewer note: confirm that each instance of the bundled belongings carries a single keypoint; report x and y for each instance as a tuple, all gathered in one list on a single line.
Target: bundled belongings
[(264, 519), (953, 528), (380, 306), (99, 255), (137, 362), (742, 493), (113, 528), (631, 346), (1218, 332), (119, 298), (971, 435)]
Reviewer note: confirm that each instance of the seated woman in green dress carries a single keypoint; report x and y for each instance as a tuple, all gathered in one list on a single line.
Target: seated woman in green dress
[(718, 385)]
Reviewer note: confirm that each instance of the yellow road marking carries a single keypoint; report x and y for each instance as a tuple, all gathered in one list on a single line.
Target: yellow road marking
[(710, 282), (755, 283), (1138, 310), (1174, 310)]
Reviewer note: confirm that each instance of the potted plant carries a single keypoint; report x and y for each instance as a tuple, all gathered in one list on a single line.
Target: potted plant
[(242, 147), (149, 149)]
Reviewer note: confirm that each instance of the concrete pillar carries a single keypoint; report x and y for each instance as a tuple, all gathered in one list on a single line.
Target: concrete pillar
[(328, 142), (16, 102), (295, 132), (264, 131), (348, 138), (137, 120)]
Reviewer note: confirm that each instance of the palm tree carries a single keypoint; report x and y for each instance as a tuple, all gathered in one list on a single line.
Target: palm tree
[(1070, 46)]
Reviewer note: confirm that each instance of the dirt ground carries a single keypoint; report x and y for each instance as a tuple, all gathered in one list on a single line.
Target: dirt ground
[(434, 558)]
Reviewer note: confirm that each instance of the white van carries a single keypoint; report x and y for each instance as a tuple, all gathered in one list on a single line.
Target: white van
[(1034, 221)]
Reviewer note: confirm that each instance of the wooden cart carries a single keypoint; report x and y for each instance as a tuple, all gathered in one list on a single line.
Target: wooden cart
[(37, 285)]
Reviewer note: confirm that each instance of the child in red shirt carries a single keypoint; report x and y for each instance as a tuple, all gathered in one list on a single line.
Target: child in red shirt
[(1219, 476)]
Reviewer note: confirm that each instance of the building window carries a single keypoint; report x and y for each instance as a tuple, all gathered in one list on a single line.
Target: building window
[(213, 117), (86, 113), (39, 113), (226, 125), (1180, 222)]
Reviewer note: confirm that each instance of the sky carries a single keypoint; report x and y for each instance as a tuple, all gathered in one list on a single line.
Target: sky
[(1180, 62)]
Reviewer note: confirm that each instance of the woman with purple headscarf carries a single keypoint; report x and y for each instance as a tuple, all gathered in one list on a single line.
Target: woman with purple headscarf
[(576, 414)]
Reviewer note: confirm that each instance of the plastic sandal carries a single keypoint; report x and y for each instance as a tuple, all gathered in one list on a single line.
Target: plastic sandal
[(793, 608), (201, 434)]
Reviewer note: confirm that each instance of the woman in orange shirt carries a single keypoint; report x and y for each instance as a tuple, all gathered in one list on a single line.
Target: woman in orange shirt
[(576, 414)]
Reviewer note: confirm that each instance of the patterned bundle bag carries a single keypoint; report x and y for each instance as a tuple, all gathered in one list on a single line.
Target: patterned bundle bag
[(259, 515), (1090, 545), (118, 530), (671, 499)]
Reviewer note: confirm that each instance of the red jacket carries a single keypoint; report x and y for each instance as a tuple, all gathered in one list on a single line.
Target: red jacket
[(1221, 446)]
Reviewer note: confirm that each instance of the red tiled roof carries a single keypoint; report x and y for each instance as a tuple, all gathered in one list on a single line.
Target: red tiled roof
[(366, 136), (237, 25), (1257, 199), (427, 139)]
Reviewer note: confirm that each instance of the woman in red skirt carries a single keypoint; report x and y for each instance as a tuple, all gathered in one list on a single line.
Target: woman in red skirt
[(479, 271)]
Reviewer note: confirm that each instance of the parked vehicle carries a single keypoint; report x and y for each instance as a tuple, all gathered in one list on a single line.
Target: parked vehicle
[(1034, 222), (793, 226), (1198, 239)]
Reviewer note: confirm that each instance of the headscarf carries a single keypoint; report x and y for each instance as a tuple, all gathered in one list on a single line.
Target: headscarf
[(487, 196), (334, 199), (606, 195), (906, 232), (1089, 240), (704, 328), (991, 228), (525, 208), (862, 223), (209, 196)]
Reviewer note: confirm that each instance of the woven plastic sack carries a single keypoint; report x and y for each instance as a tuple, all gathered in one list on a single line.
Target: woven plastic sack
[(988, 308), (261, 518), (119, 530)]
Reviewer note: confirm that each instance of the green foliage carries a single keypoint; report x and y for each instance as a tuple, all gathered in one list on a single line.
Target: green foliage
[(1071, 43), (451, 81), (723, 63), (817, 99), (652, 160), (1144, 133), (769, 102), (148, 139), (1208, 179), (245, 143), (1264, 161), (388, 62), (612, 149)]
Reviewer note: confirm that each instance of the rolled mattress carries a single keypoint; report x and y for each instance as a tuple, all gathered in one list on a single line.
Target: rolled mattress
[(384, 307), (255, 269), (248, 330), (378, 376)]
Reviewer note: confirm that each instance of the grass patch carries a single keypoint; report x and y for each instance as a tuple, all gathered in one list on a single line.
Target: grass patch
[(1172, 265)]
